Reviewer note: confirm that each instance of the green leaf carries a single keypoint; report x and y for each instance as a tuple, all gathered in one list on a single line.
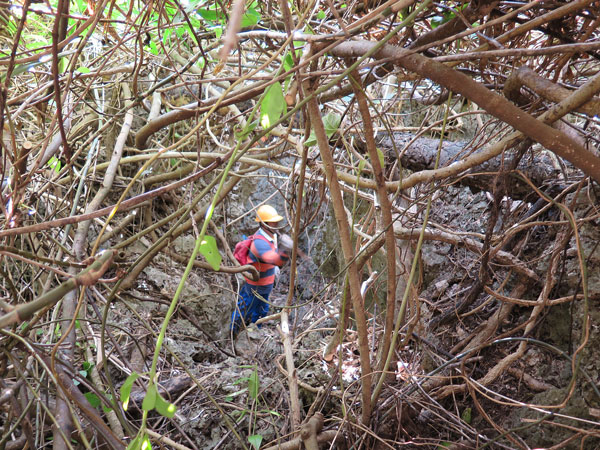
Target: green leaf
[(141, 442), (150, 399), (209, 249), (321, 15), (125, 390), (466, 415), (331, 122), (253, 384), (288, 62), (255, 440), (361, 166), (241, 135), (54, 163), (136, 444), (381, 158), (210, 15), (153, 47), (251, 18), (83, 69), (93, 399), (105, 408), (164, 407), (272, 105)]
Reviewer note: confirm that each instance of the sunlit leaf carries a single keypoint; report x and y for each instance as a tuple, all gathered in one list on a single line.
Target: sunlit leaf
[(136, 444), (83, 70), (153, 47), (209, 250), (125, 390), (164, 407), (54, 163), (272, 105), (146, 444)]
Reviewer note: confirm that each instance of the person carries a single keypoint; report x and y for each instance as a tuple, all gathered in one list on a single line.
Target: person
[(267, 255)]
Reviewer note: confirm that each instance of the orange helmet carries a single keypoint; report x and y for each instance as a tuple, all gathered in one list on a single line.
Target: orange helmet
[(266, 213)]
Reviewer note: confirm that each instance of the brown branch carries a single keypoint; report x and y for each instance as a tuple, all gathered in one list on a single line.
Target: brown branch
[(493, 103), (386, 212), (88, 277), (524, 76), (124, 206), (474, 11), (347, 249), (520, 52)]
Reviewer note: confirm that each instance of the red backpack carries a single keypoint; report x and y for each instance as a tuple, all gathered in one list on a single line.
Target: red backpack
[(242, 250)]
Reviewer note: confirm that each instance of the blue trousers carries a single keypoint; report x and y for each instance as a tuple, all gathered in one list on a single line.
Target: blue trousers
[(250, 306)]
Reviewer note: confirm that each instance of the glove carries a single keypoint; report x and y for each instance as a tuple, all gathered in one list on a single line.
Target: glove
[(285, 243)]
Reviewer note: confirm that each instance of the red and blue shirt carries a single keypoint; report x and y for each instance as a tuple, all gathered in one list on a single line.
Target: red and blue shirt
[(265, 257)]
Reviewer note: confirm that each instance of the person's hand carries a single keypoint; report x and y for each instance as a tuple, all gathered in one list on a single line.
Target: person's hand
[(286, 243)]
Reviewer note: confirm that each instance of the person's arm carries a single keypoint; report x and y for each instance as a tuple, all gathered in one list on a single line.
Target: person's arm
[(263, 251)]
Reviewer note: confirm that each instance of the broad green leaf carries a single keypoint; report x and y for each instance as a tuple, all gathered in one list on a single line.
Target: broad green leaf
[(209, 249), (255, 440), (321, 14), (251, 18), (153, 47), (331, 122), (93, 399), (210, 15), (272, 105), (288, 62), (253, 384), (125, 390), (83, 69), (150, 399), (165, 408)]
